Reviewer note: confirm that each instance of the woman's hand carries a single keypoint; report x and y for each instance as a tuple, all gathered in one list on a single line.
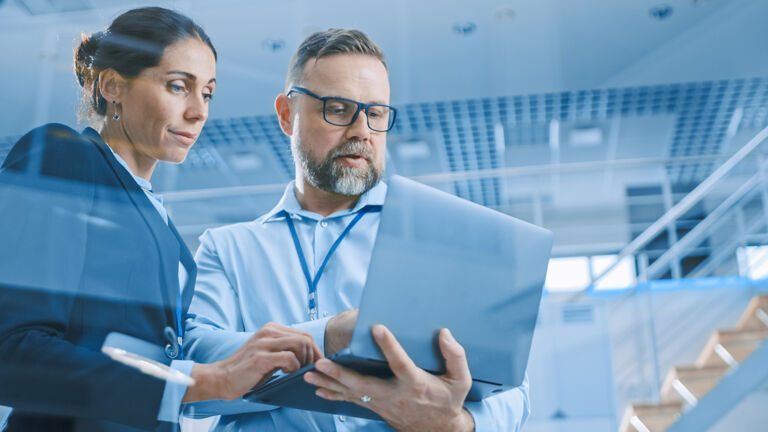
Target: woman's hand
[(271, 348)]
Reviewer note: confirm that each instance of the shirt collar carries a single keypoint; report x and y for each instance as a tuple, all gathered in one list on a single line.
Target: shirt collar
[(290, 204)]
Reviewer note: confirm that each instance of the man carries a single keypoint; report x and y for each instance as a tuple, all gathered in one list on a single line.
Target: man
[(304, 263)]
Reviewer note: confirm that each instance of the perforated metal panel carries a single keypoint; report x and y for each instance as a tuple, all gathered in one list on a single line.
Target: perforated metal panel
[(704, 112), (463, 131), (242, 132)]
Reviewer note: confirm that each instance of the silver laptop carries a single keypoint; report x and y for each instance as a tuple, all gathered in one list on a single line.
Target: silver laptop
[(439, 261)]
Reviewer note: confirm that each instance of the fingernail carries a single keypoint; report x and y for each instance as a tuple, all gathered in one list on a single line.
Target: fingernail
[(309, 377), (378, 331), (449, 337)]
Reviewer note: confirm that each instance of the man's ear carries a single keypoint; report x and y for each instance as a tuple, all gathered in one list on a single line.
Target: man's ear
[(284, 113), (112, 85)]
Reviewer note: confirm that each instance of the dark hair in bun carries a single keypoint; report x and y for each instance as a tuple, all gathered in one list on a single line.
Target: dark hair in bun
[(133, 42)]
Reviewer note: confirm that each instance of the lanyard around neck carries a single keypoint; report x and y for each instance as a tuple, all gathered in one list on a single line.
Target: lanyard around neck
[(312, 282)]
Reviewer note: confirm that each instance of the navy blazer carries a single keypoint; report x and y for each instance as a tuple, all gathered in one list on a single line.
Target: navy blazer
[(83, 253)]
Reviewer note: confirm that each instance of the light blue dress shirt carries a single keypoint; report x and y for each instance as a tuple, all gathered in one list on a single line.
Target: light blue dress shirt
[(173, 394), (249, 274)]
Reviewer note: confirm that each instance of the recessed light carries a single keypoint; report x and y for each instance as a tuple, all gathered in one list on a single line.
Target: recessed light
[(273, 45), (661, 12), (465, 28)]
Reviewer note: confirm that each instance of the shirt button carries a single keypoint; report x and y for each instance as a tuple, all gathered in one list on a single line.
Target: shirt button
[(342, 418), (324, 224), (325, 314)]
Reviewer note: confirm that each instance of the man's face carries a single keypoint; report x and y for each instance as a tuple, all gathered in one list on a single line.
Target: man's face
[(346, 160)]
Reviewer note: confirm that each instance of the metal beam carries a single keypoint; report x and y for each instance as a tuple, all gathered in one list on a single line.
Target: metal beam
[(440, 178)]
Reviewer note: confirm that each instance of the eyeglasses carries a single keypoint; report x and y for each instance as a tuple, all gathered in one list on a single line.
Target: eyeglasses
[(340, 111)]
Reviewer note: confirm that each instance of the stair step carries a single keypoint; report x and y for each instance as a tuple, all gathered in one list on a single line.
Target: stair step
[(654, 417), (739, 344), (698, 381), (755, 316)]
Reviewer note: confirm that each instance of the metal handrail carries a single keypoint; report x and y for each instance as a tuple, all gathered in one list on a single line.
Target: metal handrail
[(690, 200), (713, 218), (724, 251)]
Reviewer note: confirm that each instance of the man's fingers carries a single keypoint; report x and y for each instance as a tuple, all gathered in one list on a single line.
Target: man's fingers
[(285, 360), (329, 395), (324, 381), (456, 365), (399, 361), (299, 345), (273, 330), (346, 377), (317, 353), (349, 386), (313, 352)]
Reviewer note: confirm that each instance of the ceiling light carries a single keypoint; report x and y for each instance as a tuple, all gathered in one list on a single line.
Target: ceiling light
[(661, 12), (273, 45), (465, 28)]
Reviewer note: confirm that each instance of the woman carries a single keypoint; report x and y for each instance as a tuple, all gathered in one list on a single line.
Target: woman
[(88, 251)]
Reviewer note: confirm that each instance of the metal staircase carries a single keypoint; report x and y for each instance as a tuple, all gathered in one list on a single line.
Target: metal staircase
[(695, 397), (732, 363)]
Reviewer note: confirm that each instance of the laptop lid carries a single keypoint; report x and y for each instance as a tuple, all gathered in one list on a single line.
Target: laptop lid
[(442, 261)]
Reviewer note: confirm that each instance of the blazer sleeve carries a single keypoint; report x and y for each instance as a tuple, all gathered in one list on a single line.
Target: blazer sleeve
[(46, 195)]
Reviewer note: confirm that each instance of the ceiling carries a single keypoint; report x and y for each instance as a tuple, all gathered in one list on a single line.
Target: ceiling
[(497, 98)]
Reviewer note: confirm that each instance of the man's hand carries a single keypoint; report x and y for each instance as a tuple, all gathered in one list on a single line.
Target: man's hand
[(413, 400), (271, 348), (338, 331)]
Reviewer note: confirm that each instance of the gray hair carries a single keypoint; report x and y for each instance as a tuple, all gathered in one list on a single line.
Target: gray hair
[(329, 42)]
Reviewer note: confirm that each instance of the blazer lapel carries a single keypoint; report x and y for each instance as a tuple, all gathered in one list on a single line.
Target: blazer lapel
[(165, 240), (189, 265)]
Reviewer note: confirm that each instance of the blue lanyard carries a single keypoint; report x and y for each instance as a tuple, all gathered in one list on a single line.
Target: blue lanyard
[(312, 283)]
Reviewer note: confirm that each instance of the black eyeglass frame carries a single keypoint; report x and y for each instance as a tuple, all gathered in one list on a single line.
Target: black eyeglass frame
[(360, 107)]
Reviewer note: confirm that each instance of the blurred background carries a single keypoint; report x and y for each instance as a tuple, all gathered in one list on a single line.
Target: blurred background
[(632, 129)]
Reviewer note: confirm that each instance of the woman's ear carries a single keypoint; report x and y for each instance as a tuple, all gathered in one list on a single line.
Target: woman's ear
[(284, 113), (111, 85)]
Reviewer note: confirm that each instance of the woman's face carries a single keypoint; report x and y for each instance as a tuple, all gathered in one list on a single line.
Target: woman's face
[(164, 109)]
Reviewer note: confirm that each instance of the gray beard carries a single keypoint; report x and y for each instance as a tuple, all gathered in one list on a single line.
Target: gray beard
[(332, 176)]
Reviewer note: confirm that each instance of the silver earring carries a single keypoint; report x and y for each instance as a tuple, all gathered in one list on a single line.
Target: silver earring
[(116, 116)]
